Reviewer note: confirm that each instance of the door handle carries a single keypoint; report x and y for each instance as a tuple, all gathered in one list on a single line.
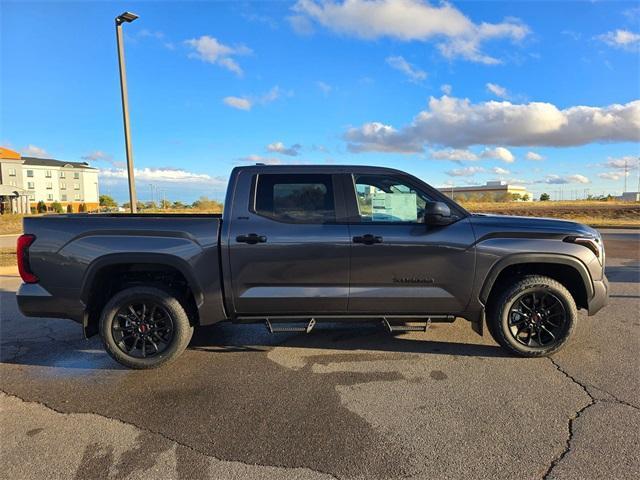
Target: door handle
[(367, 239), (251, 238)]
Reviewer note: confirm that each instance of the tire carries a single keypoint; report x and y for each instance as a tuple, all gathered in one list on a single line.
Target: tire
[(532, 317), (156, 322)]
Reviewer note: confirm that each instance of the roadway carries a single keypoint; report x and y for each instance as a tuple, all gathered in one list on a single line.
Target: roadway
[(344, 403)]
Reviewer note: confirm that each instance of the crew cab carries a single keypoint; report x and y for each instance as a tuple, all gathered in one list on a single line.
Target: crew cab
[(298, 245)]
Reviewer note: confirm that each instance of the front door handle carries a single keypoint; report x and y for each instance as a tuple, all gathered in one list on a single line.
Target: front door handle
[(367, 239), (251, 238)]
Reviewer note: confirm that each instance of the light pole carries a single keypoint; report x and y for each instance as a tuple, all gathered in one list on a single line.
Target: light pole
[(127, 17)]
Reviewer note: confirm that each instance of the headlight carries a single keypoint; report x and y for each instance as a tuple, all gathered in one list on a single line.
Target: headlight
[(592, 243)]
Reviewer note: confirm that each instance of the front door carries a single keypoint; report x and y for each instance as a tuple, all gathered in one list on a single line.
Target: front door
[(288, 255), (398, 264)]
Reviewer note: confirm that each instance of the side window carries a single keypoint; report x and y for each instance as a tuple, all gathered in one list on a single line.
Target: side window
[(296, 198), (385, 198)]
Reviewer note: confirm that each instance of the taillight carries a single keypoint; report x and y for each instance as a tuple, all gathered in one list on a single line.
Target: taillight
[(23, 258)]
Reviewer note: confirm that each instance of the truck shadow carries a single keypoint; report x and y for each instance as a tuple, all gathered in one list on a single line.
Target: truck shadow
[(223, 338)]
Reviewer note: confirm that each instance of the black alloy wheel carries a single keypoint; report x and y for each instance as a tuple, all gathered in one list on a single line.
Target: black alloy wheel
[(142, 329)]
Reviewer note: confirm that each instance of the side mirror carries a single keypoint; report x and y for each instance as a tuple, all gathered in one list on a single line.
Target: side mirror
[(437, 213)]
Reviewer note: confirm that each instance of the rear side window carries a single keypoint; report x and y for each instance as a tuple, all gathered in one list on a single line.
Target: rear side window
[(295, 198)]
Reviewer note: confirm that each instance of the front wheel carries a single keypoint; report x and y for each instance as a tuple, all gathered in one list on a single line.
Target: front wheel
[(533, 317), (144, 327)]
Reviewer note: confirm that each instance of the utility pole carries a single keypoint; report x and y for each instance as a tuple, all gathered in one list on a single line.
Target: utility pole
[(127, 17), (626, 172)]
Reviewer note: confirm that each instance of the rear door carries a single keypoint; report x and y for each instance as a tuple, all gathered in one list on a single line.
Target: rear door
[(287, 252), (399, 264)]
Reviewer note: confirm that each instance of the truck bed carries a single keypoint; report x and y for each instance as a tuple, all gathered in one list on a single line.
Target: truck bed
[(70, 250)]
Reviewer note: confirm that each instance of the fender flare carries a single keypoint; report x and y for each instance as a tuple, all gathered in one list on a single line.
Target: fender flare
[(113, 259), (519, 258)]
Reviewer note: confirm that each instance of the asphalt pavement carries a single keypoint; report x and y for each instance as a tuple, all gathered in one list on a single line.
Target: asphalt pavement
[(347, 403)]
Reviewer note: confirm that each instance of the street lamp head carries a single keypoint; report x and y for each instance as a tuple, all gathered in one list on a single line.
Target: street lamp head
[(126, 17)]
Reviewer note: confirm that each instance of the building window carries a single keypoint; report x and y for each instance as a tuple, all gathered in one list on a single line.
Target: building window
[(47, 173), (30, 173), (13, 183), (76, 186), (49, 185), (50, 197), (30, 185), (76, 196), (12, 172), (76, 175), (63, 197), (32, 197), (62, 174), (63, 185)]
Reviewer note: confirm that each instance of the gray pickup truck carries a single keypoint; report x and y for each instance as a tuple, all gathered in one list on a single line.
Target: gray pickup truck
[(298, 245)]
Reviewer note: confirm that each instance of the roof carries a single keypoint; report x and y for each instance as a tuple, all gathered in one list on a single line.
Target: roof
[(9, 154), (10, 190), (48, 162)]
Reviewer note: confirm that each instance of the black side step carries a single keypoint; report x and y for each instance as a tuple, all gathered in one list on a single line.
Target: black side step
[(281, 329), (423, 327)]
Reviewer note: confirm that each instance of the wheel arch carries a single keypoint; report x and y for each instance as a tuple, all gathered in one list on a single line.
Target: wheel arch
[(106, 275), (567, 270)]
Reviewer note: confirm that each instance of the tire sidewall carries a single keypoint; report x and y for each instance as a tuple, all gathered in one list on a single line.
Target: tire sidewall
[(527, 286), (181, 334)]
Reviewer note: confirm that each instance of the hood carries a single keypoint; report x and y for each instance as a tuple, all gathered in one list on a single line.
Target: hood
[(531, 224)]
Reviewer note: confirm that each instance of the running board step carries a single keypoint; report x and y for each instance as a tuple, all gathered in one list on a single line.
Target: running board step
[(290, 329), (423, 327)]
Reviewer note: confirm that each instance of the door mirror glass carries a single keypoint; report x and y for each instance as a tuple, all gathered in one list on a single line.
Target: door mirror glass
[(437, 213)]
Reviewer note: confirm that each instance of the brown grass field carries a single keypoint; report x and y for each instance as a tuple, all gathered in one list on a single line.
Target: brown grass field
[(597, 214)]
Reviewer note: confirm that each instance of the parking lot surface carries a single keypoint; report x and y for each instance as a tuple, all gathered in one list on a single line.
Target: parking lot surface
[(347, 402)]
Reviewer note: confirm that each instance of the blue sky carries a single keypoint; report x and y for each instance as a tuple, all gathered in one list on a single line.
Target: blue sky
[(540, 93)]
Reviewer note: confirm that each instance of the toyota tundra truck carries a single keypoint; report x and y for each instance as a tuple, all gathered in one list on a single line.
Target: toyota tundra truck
[(297, 246)]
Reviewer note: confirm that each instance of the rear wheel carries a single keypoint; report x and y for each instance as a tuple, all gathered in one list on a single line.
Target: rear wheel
[(533, 317), (144, 327)]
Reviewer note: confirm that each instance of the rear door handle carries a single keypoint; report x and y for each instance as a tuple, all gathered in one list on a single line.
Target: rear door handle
[(251, 238), (367, 239)]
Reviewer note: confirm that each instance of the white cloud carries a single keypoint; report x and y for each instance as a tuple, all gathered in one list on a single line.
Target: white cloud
[(209, 50), (260, 159), (464, 172), (611, 175), (446, 89), (627, 161), (279, 147), (497, 90), (558, 180), (499, 153), (536, 157), (241, 103), (621, 39), (500, 171), (166, 175), (34, 151), (324, 87), (378, 137), (454, 154), (399, 63), (100, 156), (456, 122), (248, 102), (407, 20)]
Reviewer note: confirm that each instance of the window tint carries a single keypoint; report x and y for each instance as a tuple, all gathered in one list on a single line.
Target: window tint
[(295, 198), (385, 198)]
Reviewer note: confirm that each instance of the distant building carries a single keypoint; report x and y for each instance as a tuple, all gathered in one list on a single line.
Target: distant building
[(25, 181), (630, 197), (496, 190)]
